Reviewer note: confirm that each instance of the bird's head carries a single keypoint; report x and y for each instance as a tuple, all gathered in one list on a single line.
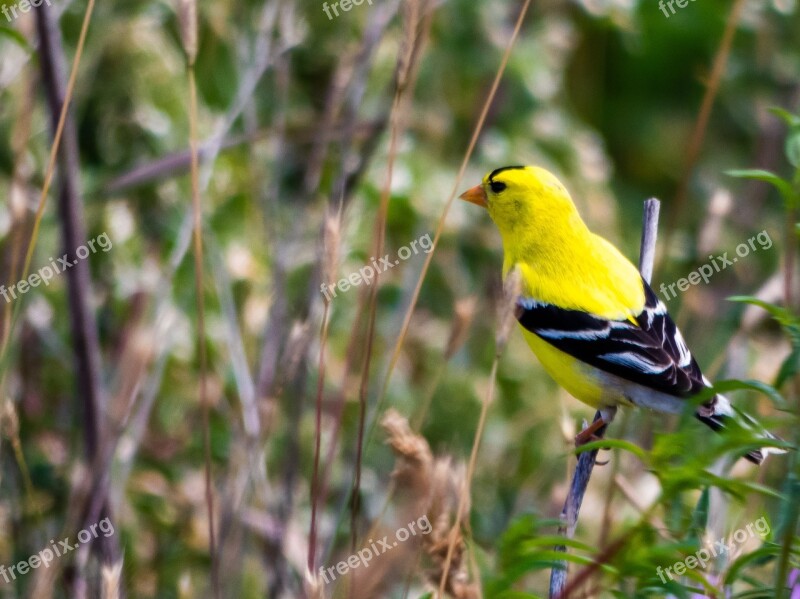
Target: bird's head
[(524, 198)]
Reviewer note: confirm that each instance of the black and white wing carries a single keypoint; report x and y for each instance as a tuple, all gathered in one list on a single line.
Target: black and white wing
[(650, 352)]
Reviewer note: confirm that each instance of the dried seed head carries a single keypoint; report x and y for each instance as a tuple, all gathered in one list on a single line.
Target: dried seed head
[(434, 487), (187, 20), (413, 448)]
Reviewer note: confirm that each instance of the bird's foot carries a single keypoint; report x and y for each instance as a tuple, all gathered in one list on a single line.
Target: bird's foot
[(587, 435)]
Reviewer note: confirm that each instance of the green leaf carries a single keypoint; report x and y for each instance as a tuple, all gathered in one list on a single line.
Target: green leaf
[(759, 557), (782, 315), (612, 443), (751, 385), (790, 119), (700, 515), (781, 185), (550, 541), (791, 324), (15, 36), (793, 147), (789, 368)]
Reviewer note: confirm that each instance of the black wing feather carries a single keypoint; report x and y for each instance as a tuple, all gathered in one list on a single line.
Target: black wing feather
[(651, 352)]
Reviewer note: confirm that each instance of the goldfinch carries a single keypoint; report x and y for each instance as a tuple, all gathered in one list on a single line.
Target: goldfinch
[(594, 323)]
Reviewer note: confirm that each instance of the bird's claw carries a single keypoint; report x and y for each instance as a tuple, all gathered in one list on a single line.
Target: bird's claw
[(587, 435)]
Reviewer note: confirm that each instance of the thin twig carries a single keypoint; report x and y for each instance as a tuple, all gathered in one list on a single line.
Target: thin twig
[(586, 460), (507, 317), (63, 111), (201, 332), (85, 338), (403, 91), (187, 16), (443, 217)]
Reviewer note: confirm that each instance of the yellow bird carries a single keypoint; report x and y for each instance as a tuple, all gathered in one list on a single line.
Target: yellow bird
[(594, 323)]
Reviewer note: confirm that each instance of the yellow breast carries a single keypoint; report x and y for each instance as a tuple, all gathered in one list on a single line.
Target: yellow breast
[(579, 379)]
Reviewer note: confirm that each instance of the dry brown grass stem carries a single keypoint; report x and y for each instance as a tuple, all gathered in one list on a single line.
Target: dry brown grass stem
[(9, 428), (330, 267), (508, 309), (633, 498), (397, 120), (456, 186), (197, 237), (16, 197), (48, 178)]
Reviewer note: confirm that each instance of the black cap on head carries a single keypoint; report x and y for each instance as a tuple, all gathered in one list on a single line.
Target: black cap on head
[(497, 171)]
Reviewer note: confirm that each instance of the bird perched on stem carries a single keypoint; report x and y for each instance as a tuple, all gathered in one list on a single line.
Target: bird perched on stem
[(587, 313)]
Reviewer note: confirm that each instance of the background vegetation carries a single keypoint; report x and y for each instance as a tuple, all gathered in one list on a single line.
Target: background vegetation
[(303, 121)]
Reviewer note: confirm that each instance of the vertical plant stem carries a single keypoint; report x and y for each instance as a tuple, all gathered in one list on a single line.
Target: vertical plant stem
[(396, 119), (512, 288), (443, 217), (62, 111), (572, 507), (315, 480), (586, 460), (197, 237), (473, 458), (85, 338)]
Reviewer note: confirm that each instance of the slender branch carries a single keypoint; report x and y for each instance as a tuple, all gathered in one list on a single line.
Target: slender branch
[(647, 249), (197, 237), (85, 339), (586, 460), (400, 105)]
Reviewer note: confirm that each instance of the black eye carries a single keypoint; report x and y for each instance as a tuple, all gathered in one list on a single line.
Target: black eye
[(497, 186)]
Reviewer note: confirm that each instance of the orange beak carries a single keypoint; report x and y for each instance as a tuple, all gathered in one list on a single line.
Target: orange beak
[(475, 195)]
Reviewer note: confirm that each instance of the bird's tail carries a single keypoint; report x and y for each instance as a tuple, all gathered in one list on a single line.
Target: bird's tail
[(719, 414)]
